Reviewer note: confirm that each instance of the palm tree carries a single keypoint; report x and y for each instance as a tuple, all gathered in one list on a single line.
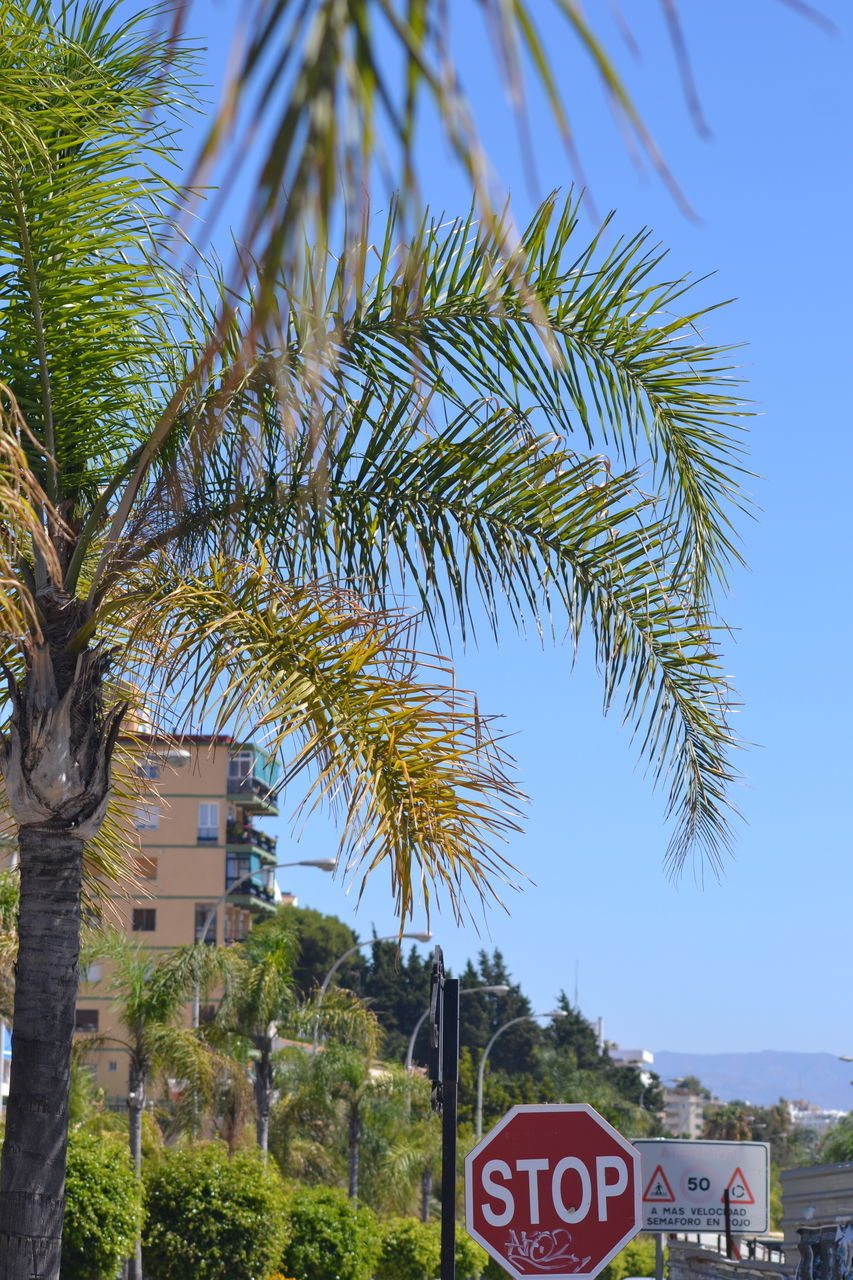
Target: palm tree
[(336, 1085), (330, 55), (151, 997), (413, 1157), (229, 524), (258, 997)]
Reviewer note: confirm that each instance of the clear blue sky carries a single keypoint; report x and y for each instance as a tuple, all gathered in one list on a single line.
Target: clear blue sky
[(759, 959)]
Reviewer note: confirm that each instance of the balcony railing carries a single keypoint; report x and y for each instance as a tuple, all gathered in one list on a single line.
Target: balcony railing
[(249, 889), (246, 834), (251, 786)]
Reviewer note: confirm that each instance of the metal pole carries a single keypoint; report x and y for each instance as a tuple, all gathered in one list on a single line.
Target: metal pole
[(449, 1091), (525, 1017), (368, 942), (732, 1250), (463, 991), (658, 1256), (413, 1037)]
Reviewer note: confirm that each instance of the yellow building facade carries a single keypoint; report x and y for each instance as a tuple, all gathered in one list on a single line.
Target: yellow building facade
[(201, 858)]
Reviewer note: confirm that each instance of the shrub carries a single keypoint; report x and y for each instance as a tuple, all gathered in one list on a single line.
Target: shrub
[(471, 1259), (103, 1207), (411, 1250), (636, 1259), (211, 1217), (331, 1238)]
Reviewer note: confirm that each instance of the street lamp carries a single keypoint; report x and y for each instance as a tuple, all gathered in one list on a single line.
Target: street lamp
[(463, 991), (368, 942), (525, 1017), (322, 864)]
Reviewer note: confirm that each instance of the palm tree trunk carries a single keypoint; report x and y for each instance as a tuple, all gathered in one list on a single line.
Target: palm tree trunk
[(426, 1192), (56, 766), (354, 1149), (135, 1108), (32, 1175), (263, 1092)]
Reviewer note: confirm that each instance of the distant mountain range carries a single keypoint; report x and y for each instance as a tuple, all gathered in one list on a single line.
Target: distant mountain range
[(763, 1078)]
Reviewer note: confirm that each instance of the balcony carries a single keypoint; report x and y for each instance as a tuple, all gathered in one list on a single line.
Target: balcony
[(252, 779), (250, 894), (240, 836)]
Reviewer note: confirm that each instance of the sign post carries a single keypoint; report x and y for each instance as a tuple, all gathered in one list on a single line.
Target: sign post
[(694, 1185), (444, 1074), (553, 1190)]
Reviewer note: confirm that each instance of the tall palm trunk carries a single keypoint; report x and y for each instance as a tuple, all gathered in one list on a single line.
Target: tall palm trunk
[(32, 1175), (263, 1091), (135, 1108), (354, 1148), (56, 766), (426, 1192)]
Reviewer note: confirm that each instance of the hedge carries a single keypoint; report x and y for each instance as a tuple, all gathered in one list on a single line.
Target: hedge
[(211, 1217), (103, 1206), (331, 1237)]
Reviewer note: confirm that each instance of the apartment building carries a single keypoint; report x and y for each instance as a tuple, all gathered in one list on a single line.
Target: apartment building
[(198, 838), (684, 1113)]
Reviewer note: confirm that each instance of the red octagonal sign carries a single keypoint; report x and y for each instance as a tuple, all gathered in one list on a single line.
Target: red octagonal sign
[(553, 1191)]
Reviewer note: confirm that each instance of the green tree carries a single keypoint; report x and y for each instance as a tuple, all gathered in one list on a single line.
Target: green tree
[(211, 1216), (150, 996), (836, 1147), (259, 998), (230, 516), (331, 1237), (103, 1212), (411, 1160), (321, 940), (692, 1084), (729, 1122), (398, 989)]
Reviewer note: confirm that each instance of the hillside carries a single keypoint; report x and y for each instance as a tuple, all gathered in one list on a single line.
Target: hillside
[(763, 1078)]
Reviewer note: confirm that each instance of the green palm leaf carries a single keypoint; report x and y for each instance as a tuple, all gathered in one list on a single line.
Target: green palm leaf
[(385, 737)]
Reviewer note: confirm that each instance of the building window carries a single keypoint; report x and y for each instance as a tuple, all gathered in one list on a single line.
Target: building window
[(146, 868), (147, 817), (144, 919), (208, 823), (237, 867), (86, 1019), (241, 765), (235, 926), (91, 973), (112, 1065), (202, 910)]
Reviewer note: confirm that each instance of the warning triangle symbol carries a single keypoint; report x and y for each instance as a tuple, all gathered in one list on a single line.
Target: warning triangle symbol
[(658, 1190), (738, 1189)]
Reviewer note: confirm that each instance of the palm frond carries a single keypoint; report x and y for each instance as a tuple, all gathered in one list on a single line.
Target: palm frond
[(304, 68), (405, 757), (82, 210)]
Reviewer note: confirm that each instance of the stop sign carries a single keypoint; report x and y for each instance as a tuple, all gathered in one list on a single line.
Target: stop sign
[(553, 1190)]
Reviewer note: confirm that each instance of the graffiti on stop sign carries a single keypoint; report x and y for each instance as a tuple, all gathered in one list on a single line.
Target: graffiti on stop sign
[(552, 1190)]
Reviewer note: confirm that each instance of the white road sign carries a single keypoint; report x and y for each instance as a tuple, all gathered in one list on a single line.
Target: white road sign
[(683, 1182)]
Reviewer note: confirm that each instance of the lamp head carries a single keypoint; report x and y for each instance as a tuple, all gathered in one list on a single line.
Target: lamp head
[(322, 864)]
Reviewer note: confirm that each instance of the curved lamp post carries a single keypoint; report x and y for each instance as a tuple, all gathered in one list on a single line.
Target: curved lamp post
[(463, 991), (368, 942), (525, 1017), (322, 864)]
